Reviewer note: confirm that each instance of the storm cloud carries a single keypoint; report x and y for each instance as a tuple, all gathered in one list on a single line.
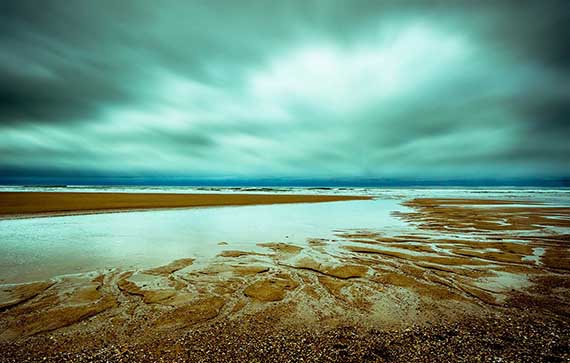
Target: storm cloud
[(311, 89)]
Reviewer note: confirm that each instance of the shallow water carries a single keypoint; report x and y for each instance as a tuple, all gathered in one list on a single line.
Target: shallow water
[(39, 248), (43, 247)]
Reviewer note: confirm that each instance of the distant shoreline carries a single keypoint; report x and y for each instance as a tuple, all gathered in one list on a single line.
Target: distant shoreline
[(47, 204)]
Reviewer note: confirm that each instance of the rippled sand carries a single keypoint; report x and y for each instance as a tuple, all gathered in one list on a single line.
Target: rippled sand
[(466, 263)]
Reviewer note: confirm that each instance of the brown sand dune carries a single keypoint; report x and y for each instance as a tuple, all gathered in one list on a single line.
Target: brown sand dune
[(20, 204)]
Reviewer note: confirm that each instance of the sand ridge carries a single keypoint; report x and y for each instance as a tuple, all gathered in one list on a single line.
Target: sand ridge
[(22, 204)]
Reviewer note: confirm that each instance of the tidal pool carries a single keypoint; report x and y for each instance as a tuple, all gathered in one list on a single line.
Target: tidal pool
[(38, 248)]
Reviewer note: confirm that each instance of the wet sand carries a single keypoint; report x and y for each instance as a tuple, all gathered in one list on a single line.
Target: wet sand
[(25, 204), (467, 285)]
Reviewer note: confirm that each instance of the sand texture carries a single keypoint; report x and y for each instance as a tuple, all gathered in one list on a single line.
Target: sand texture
[(467, 286), (21, 204)]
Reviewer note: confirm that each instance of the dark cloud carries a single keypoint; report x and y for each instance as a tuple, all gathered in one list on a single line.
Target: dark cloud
[(296, 88), (536, 30)]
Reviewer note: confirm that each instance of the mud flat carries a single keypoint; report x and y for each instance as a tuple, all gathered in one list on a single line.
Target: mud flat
[(26, 204), (476, 281)]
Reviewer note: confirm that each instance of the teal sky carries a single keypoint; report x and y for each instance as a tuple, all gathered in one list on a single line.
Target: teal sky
[(299, 89)]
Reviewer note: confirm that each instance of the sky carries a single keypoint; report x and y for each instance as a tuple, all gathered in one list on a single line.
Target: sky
[(291, 89)]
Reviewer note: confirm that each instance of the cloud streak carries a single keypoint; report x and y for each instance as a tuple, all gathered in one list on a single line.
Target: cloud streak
[(315, 89)]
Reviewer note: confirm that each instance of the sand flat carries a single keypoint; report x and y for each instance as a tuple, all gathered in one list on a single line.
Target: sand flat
[(367, 291), (22, 204)]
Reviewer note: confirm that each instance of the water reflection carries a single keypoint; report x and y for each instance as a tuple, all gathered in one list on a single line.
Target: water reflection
[(43, 247)]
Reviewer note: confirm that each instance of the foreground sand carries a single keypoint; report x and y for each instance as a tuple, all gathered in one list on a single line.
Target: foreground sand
[(479, 281), (18, 204)]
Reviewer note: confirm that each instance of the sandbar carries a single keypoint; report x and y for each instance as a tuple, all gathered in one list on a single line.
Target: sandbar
[(34, 204)]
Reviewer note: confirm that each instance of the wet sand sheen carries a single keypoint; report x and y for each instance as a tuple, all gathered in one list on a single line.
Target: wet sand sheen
[(22, 204), (467, 289)]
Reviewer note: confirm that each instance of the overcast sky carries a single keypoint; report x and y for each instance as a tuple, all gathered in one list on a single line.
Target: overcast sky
[(312, 89)]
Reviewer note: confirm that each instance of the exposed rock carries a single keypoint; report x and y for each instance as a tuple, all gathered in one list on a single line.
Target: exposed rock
[(124, 284), (478, 293), (157, 296), (502, 256), (557, 258), (271, 289), (60, 317), (171, 267), (426, 258), (234, 253), (193, 312), (282, 247), (346, 271), (85, 294), (333, 286), (14, 294), (420, 288), (343, 271), (250, 270), (160, 291), (72, 302)]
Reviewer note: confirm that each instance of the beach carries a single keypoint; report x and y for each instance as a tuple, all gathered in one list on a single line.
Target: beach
[(291, 181), (21, 204), (399, 278)]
